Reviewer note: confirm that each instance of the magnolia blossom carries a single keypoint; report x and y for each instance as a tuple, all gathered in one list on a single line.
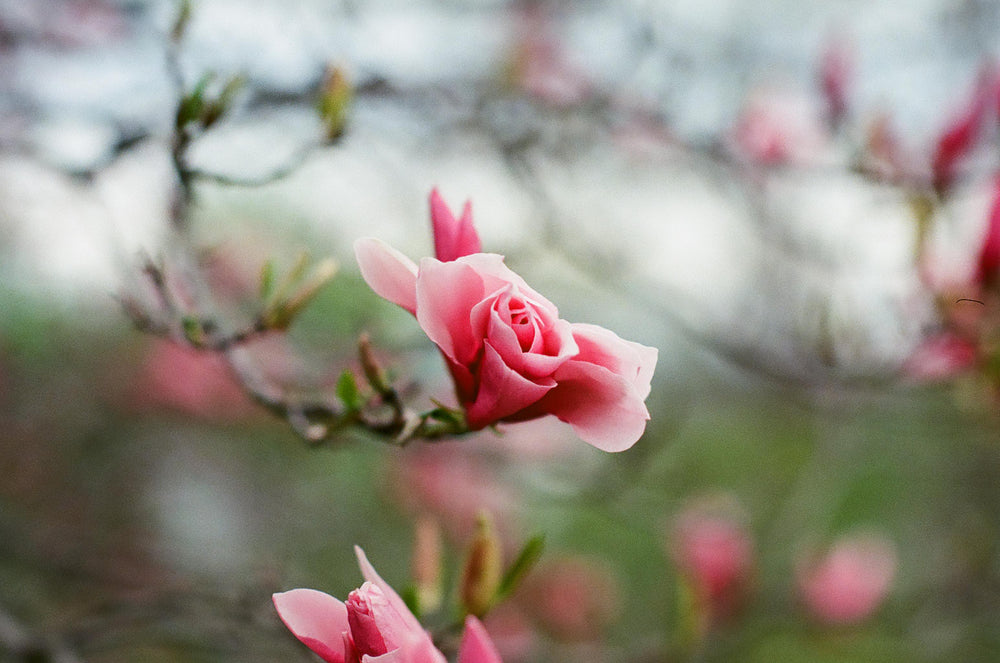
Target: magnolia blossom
[(510, 355), (374, 625)]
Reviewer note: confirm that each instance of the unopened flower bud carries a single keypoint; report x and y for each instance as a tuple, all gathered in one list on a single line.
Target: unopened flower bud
[(426, 564), (482, 572), (334, 100), (281, 309), (371, 367)]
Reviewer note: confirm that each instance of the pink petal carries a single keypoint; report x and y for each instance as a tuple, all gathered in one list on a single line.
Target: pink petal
[(316, 619), (632, 361), (502, 391), (988, 261), (960, 137), (372, 619), (369, 573), (477, 647), (497, 276), (388, 272), (417, 651), (446, 294), (604, 409), (452, 238), (559, 342)]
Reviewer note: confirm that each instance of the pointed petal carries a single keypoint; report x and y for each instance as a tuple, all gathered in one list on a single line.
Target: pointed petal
[(369, 573), (388, 272), (452, 238), (316, 619), (477, 647)]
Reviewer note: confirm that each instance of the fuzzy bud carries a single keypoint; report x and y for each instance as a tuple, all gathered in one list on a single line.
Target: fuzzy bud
[(482, 572)]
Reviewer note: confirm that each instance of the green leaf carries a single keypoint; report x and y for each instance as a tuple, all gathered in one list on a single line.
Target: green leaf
[(447, 415), (267, 279), (348, 392), (193, 104), (181, 21), (194, 330), (410, 598), (523, 564)]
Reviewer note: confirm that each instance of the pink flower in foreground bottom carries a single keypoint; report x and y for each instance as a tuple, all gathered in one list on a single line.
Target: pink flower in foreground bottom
[(373, 625), (510, 355), (849, 582), (714, 554)]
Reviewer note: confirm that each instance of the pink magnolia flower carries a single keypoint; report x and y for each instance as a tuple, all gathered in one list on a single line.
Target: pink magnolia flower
[(374, 625), (510, 355), (850, 581)]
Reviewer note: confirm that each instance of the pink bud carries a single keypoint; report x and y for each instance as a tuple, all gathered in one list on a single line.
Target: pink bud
[(373, 622), (367, 630), (988, 262), (849, 582), (452, 238), (960, 137), (714, 554), (835, 72)]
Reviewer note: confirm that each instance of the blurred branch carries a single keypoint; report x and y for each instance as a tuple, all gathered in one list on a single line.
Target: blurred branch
[(294, 163), (18, 643)]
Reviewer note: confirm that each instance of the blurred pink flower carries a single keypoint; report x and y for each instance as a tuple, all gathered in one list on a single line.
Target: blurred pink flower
[(453, 486), (778, 128), (191, 381), (573, 598), (941, 357), (961, 135), (541, 65), (510, 356), (883, 156), (374, 625), (849, 582), (714, 553), (835, 71)]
